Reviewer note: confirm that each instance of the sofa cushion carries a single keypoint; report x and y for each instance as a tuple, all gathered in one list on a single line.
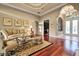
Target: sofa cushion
[(9, 31), (15, 31)]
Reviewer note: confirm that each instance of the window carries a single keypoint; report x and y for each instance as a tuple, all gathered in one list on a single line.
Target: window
[(74, 26), (67, 24), (71, 27)]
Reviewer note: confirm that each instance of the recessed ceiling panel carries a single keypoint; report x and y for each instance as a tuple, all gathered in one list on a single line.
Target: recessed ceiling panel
[(34, 8), (36, 5)]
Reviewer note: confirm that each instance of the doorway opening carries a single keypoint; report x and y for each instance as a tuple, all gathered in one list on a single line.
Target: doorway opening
[(46, 30)]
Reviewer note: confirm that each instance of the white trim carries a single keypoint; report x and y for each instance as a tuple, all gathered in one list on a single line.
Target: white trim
[(35, 13), (29, 5), (59, 32), (48, 18), (6, 13), (71, 34), (21, 9), (50, 10)]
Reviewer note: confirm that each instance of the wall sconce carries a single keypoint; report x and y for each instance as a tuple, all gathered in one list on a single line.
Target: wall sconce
[(31, 26)]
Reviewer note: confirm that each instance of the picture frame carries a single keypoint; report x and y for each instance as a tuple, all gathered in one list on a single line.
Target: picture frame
[(26, 22), (18, 22), (7, 21)]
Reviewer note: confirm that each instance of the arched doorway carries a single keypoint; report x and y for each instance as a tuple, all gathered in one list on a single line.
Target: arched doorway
[(70, 20)]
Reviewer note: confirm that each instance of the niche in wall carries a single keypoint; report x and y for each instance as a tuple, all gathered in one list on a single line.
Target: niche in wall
[(59, 24)]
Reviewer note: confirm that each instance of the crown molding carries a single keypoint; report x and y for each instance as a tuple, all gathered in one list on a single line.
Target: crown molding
[(50, 10), (21, 9), (31, 12)]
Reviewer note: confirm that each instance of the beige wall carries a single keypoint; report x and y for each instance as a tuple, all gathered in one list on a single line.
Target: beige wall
[(16, 14), (13, 13), (53, 20)]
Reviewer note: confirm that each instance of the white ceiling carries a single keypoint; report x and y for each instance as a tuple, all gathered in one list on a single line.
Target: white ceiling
[(36, 5), (35, 8)]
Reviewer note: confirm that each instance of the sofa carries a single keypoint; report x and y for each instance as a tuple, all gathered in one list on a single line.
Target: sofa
[(18, 39)]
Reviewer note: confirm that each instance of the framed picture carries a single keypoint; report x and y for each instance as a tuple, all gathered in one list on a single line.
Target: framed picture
[(26, 22), (7, 21), (18, 22)]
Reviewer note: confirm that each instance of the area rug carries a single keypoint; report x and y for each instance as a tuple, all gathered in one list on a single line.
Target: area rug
[(33, 49)]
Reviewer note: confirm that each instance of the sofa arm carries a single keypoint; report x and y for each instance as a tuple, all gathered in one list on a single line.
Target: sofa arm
[(11, 45)]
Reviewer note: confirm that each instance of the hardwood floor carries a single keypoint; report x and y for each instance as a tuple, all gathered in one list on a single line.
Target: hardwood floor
[(60, 47)]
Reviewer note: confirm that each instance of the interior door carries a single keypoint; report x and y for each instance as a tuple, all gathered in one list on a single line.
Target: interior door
[(46, 30)]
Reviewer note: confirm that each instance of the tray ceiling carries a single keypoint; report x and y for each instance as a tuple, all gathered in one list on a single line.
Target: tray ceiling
[(35, 8), (36, 5)]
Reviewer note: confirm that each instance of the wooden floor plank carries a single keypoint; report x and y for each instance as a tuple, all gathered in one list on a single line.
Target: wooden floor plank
[(60, 47)]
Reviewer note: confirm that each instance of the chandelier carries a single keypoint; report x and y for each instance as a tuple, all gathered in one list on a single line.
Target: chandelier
[(68, 10)]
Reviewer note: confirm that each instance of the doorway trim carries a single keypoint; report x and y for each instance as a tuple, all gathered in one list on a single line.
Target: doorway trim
[(48, 18), (59, 32)]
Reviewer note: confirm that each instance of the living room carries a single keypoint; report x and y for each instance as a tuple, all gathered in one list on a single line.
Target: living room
[(30, 29)]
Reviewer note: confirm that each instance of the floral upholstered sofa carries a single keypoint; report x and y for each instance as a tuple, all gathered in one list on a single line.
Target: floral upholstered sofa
[(18, 39)]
